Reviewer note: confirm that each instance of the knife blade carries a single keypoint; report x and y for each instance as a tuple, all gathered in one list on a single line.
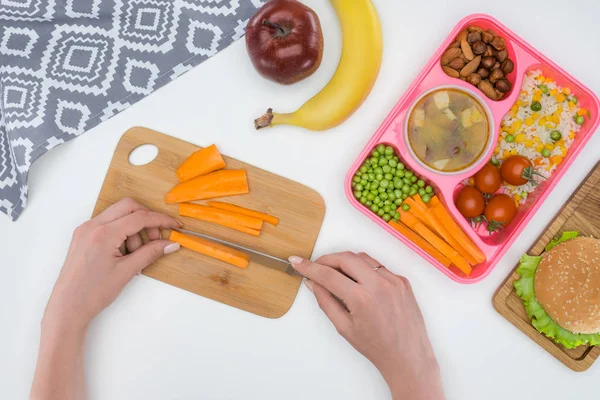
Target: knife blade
[(255, 256)]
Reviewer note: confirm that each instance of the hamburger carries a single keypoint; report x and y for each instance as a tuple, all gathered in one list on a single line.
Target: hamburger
[(561, 290)]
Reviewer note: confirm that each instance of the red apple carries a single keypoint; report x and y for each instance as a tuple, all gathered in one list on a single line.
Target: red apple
[(284, 41)]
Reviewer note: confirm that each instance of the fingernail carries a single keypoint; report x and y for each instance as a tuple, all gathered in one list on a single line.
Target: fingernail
[(295, 260), (172, 248), (309, 285), (179, 222)]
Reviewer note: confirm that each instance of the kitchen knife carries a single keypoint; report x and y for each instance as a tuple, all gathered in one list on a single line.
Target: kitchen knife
[(255, 256)]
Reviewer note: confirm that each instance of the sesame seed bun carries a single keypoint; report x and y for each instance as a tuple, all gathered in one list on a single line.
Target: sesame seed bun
[(567, 285)]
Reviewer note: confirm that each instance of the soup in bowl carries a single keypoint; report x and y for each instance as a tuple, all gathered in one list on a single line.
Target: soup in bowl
[(448, 129)]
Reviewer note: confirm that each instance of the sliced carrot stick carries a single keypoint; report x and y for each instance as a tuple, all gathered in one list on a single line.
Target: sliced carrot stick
[(211, 249), (217, 220), (427, 216), (212, 214), (201, 162), (413, 223), (455, 230), (420, 242), (216, 184), (269, 219)]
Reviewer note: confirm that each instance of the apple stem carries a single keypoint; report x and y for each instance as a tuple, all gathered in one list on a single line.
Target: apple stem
[(281, 29)]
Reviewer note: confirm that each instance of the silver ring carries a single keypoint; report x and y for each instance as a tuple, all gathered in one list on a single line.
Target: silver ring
[(377, 267)]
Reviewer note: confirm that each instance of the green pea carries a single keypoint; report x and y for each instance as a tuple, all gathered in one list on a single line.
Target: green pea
[(378, 177), (405, 189), (395, 158), (536, 106), (365, 183), (413, 179), (365, 193), (426, 198), (389, 177), (380, 212), (404, 196), (407, 181), (393, 163), (375, 153), (413, 191), (354, 185), (374, 208), (543, 88), (356, 179), (574, 100), (398, 193), (383, 196), (422, 192), (374, 191), (386, 169), (380, 148), (358, 194), (495, 162), (378, 170), (364, 169), (399, 173), (387, 209), (397, 216), (387, 203), (400, 166), (381, 189), (393, 171), (555, 135), (405, 207), (386, 217), (384, 184), (579, 120), (374, 160), (389, 150), (398, 184), (408, 174), (428, 189), (376, 201), (509, 138), (371, 177), (545, 153), (370, 196), (369, 203), (375, 184), (359, 187), (398, 201), (382, 161), (392, 196), (389, 158), (421, 183), (363, 200)]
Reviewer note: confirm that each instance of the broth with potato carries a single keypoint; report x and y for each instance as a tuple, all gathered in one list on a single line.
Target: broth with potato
[(448, 130)]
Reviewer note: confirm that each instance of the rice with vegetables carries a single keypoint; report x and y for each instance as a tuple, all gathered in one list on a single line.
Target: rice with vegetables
[(541, 126)]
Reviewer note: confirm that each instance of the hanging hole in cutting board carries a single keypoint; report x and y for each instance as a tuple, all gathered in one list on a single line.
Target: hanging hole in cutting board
[(143, 154)]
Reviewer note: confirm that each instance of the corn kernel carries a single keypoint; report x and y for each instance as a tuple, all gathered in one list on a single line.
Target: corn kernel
[(513, 152), (536, 139), (556, 160), (539, 148), (582, 112), (518, 124), (517, 199), (567, 91), (563, 151), (535, 115), (529, 121), (549, 146), (528, 143), (520, 138), (553, 92), (550, 125), (549, 80), (571, 105), (505, 154), (572, 135), (560, 98), (542, 121)]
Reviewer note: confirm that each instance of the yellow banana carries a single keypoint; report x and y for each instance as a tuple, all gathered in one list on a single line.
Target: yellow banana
[(354, 78)]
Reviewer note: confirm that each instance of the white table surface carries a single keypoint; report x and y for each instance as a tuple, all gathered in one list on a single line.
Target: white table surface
[(159, 342)]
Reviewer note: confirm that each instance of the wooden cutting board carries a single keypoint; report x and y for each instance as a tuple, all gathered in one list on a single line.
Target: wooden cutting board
[(257, 289), (582, 214)]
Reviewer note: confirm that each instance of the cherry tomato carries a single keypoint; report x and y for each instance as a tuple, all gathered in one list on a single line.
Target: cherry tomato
[(488, 179), (470, 202), (516, 170), (500, 210)]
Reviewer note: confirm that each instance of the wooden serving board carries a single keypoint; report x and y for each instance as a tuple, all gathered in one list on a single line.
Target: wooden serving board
[(582, 214), (257, 289)]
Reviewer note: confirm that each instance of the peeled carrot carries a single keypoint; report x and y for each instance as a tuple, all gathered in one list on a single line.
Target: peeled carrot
[(427, 216), (413, 223), (216, 184), (211, 249), (245, 211), (442, 214), (201, 162), (211, 214), (420, 242)]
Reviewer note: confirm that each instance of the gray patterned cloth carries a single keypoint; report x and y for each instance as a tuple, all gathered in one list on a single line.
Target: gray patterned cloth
[(67, 65)]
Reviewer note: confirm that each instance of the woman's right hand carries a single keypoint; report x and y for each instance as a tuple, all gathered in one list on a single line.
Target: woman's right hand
[(380, 318)]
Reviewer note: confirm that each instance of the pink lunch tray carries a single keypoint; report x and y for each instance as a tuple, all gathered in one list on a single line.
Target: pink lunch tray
[(392, 129)]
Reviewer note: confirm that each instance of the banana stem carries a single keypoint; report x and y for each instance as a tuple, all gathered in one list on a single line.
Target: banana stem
[(265, 120), (271, 119)]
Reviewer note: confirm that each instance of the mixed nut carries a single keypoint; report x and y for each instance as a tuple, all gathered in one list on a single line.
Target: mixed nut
[(480, 57)]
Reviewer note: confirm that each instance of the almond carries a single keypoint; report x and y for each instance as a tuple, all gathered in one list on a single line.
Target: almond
[(471, 67), (474, 29), (449, 55), (462, 35), (455, 45), (466, 49), (451, 72), (487, 89)]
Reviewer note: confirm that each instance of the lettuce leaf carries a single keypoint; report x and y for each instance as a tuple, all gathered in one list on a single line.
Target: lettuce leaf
[(539, 318)]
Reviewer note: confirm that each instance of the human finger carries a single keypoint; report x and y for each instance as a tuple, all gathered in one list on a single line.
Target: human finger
[(334, 281), (350, 264), (382, 271), (121, 208), (333, 309), (133, 243), (131, 224), (153, 233), (135, 262)]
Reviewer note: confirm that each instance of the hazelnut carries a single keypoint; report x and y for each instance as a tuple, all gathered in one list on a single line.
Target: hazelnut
[(474, 79), (496, 75), (502, 55), (474, 28), (507, 66), (487, 36), (483, 72), (503, 85), (499, 43), (474, 37), (488, 62), (457, 63), (489, 51), (496, 66), (479, 47)]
